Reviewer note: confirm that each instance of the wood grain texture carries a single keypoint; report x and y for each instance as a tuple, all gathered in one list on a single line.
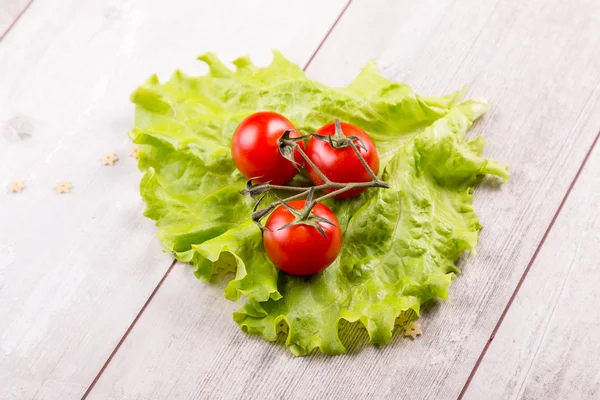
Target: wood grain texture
[(76, 268), (537, 63), (9, 12), (547, 346)]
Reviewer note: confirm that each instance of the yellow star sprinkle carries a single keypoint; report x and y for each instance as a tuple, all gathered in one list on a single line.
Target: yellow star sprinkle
[(109, 159), (413, 330), (134, 151), (17, 186), (401, 319), (63, 186)]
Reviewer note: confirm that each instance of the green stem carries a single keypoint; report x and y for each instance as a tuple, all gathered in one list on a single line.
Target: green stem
[(309, 161), (303, 215), (290, 188), (364, 162)]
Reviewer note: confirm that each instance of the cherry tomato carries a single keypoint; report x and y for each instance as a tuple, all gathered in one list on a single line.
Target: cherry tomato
[(302, 249), (342, 165), (256, 152)]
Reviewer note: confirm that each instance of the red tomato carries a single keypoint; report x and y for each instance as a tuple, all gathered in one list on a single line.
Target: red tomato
[(341, 165), (301, 249), (256, 152)]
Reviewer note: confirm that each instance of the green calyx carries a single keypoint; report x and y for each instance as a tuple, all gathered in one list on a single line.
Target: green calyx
[(338, 140)]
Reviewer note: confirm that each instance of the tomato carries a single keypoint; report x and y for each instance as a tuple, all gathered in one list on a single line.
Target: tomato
[(342, 165), (302, 249), (256, 152)]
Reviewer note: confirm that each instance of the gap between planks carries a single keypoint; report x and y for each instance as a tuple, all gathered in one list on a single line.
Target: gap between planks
[(162, 280), (135, 320), (526, 272), (14, 21)]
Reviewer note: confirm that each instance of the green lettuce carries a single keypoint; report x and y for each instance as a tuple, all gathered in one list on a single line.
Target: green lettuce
[(400, 244)]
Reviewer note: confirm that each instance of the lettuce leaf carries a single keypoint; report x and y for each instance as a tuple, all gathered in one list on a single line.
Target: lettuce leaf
[(400, 244)]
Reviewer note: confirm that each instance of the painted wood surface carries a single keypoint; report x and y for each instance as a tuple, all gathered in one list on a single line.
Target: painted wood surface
[(76, 268), (9, 12), (547, 346), (537, 63)]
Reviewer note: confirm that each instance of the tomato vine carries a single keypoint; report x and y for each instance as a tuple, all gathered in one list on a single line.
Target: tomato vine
[(288, 145)]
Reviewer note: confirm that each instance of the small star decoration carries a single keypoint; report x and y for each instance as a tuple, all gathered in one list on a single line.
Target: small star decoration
[(413, 330), (17, 186), (401, 319), (134, 151), (109, 159), (63, 186)]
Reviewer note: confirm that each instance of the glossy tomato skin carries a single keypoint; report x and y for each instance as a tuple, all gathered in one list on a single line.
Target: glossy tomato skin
[(301, 249), (342, 165), (255, 150)]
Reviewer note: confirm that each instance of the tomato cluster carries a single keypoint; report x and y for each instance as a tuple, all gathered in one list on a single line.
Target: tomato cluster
[(301, 249)]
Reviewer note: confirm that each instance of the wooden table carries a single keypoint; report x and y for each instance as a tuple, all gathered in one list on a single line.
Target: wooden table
[(91, 305)]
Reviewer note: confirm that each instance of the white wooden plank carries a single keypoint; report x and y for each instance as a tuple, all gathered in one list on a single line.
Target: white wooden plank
[(537, 63), (547, 345), (9, 12), (75, 269)]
